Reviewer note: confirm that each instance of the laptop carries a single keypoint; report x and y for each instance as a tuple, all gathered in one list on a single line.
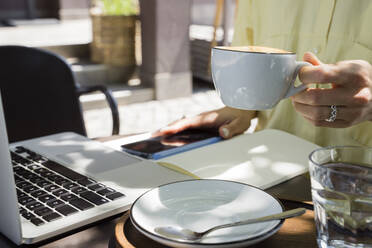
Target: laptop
[(54, 184)]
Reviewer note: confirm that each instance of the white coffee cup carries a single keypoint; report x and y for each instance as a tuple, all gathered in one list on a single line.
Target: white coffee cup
[(254, 78)]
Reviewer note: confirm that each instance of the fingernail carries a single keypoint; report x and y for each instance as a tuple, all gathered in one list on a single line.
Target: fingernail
[(164, 128), (225, 132)]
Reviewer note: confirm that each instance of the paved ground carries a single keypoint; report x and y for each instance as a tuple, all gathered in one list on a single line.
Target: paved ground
[(151, 115), (61, 33)]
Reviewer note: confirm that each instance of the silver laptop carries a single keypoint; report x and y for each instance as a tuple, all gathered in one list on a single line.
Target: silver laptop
[(54, 184)]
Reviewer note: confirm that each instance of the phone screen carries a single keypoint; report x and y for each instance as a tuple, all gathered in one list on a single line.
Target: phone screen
[(167, 142)]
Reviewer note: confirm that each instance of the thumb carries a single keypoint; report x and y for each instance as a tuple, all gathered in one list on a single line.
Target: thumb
[(231, 129), (311, 58), (307, 72)]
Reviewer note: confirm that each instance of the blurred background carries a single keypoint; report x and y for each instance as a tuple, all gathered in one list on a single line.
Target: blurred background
[(153, 55)]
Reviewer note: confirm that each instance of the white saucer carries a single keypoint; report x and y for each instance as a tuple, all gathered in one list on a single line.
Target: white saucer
[(201, 204)]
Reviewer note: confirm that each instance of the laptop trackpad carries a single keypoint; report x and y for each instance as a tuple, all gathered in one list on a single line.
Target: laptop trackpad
[(92, 162)]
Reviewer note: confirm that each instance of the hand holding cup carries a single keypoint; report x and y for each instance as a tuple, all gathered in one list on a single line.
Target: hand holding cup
[(350, 92)]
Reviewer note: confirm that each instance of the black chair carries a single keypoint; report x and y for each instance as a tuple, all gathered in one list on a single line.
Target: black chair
[(40, 95)]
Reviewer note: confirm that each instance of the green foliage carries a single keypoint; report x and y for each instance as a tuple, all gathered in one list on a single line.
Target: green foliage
[(119, 7)]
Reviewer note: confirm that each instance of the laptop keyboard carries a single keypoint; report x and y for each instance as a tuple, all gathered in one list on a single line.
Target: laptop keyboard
[(47, 190)]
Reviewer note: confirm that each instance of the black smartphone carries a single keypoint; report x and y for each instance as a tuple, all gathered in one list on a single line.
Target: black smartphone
[(167, 145)]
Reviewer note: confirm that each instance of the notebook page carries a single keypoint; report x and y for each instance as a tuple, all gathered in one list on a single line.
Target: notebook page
[(262, 159)]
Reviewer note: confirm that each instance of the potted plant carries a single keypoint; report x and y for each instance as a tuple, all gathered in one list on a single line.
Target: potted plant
[(114, 25)]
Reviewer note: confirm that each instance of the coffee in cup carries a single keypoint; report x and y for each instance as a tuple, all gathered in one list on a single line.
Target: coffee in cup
[(254, 77)]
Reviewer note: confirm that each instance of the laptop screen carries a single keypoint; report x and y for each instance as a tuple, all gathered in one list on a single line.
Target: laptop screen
[(10, 224)]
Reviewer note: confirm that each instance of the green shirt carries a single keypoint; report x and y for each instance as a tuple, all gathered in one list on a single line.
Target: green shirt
[(334, 30)]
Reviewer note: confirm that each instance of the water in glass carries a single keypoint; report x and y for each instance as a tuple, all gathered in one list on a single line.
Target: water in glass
[(342, 196)]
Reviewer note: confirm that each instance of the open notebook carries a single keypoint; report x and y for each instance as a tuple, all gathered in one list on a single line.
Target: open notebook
[(262, 159)]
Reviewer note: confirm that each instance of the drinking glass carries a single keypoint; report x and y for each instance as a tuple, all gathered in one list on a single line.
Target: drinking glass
[(341, 187)]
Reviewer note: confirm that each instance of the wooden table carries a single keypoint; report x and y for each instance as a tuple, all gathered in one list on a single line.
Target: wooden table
[(296, 232)]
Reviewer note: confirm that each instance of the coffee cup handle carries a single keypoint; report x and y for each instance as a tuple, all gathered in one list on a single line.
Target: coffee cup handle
[(293, 90)]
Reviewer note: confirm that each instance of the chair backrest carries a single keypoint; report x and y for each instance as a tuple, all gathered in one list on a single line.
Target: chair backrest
[(39, 93)]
